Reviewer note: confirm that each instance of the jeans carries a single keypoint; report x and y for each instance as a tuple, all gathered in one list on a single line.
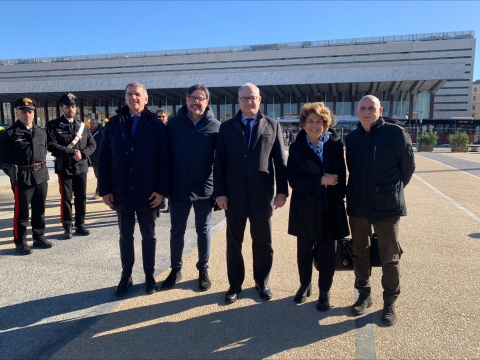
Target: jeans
[(387, 231), (179, 211), (126, 225)]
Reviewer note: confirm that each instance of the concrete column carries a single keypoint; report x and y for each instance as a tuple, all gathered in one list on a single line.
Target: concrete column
[(174, 109), (282, 103), (334, 107), (45, 110), (390, 111), (58, 109), (94, 109), (107, 115), (82, 111), (410, 106), (432, 104), (12, 113), (233, 107), (299, 100), (352, 109), (218, 109), (2, 114)]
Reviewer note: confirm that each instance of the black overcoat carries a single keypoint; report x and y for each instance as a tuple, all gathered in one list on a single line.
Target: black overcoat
[(248, 176), (310, 200), (133, 170)]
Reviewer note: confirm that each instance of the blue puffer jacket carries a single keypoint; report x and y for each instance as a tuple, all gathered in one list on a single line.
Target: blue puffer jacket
[(132, 169)]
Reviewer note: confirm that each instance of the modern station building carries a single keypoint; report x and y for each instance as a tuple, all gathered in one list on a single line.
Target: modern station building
[(416, 76)]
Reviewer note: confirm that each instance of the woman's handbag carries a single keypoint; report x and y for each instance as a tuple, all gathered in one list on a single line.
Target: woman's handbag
[(344, 254)]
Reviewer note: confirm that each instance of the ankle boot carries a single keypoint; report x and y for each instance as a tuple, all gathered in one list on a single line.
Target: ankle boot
[(303, 292), (323, 303)]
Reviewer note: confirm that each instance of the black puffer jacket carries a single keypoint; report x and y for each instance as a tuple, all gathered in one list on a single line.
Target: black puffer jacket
[(312, 204), (132, 169), (192, 153), (380, 164)]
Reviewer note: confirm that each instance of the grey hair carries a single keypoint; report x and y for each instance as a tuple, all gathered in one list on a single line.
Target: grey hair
[(248, 85), (137, 84)]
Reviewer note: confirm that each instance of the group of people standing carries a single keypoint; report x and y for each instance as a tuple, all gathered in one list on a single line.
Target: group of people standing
[(238, 166)]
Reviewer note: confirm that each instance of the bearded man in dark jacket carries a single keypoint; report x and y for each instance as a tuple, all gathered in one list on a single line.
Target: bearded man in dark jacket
[(193, 139), (134, 177), (380, 164)]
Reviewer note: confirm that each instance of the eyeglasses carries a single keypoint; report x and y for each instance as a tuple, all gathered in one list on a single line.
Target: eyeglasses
[(369, 109), (247, 98), (318, 123), (195, 98)]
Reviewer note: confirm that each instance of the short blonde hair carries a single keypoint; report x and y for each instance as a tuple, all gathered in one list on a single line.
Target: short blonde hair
[(317, 108)]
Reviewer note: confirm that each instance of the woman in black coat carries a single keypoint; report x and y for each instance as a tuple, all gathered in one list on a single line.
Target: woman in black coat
[(317, 175)]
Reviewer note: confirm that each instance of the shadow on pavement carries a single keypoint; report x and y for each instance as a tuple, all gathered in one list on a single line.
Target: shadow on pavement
[(258, 331)]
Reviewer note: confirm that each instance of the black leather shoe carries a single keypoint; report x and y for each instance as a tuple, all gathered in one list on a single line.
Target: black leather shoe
[(204, 282), (123, 285), (232, 294), (303, 292), (171, 280), (67, 234), (150, 284), (42, 243), (81, 230), (323, 303), (264, 292), (363, 302), (23, 249)]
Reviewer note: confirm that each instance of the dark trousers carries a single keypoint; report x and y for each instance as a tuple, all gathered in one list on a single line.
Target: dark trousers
[(325, 249), (179, 211), (77, 185), (326, 262), (24, 196), (126, 225), (95, 172), (387, 231), (261, 232)]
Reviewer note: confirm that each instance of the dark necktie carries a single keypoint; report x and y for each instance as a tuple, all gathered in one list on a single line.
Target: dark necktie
[(248, 131), (135, 124)]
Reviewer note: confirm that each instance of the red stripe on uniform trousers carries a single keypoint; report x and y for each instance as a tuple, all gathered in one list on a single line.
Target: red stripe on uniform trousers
[(61, 199), (15, 214)]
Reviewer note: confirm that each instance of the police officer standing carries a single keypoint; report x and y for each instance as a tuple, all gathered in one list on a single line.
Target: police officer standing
[(71, 143), (23, 155)]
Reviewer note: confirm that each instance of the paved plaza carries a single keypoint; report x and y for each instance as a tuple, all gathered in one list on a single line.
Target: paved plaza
[(59, 303)]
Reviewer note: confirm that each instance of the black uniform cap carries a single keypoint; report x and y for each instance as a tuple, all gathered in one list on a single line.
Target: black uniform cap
[(68, 99), (25, 104)]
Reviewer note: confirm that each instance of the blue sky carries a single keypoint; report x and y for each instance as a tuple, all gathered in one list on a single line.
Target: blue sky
[(58, 28)]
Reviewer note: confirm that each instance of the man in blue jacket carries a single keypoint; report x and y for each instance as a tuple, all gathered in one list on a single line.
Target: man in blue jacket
[(134, 177), (193, 138)]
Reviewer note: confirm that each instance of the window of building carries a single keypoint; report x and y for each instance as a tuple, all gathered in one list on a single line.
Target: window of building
[(473, 107), (474, 98), (474, 89)]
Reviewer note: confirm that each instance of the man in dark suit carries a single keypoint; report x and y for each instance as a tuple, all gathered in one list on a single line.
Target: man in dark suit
[(249, 162)]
